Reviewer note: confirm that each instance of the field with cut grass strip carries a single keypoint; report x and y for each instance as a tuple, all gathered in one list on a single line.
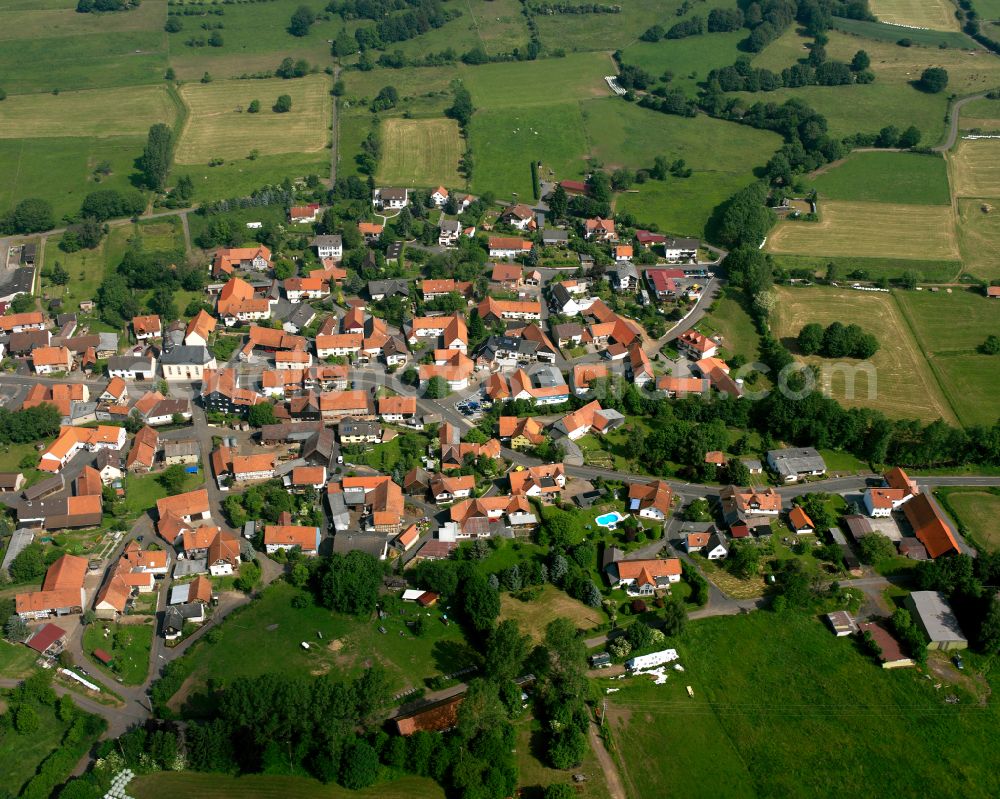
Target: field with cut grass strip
[(420, 152), (933, 14), (124, 111), (979, 237), (979, 511), (905, 178), (852, 267), (870, 229), (900, 382), (975, 168), (546, 82), (217, 128), (893, 33)]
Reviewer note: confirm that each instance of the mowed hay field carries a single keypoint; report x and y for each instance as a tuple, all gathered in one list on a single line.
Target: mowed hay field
[(420, 152), (979, 236), (887, 178), (938, 15), (127, 111), (905, 385), (167, 785), (979, 511), (949, 328), (975, 168), (923, 232), (217, 129), (533, 616)]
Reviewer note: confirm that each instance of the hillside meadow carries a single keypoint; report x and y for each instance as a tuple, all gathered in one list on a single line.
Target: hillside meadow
[(904, 178)]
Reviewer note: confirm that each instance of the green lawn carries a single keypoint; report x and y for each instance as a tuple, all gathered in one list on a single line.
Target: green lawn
[(267, 637), (761, 723), (949, 328), (16, 660), (978, 514), (142, 491), (887, 177), (606, 32), (891, 33), (86, 271), (522, 83), (20, 755), (506, 140), (690, 60), (197, 223), (731, 320), (535, 775), (239, 177), (130, 656), (167, 785), (10, 460)]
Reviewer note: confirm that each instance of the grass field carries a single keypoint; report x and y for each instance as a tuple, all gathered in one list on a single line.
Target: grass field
[(975, 168), (871, 229), (761, 723), (879, 31), (979, 237), (690, 60), (551, 604), (524, 83), (611, 31), (904, 386), (933, 14), (86, 271), (217, 128), (499, 25), (166, 785), (981, 113), (16, 661), (949, 328), (731, 320), (124, 111), (534, 774), (267, 636), (239, 177), (904, 178), (410, 82), (873, 268), (506, 140), (129, 651), (979, 511), (420, 152)]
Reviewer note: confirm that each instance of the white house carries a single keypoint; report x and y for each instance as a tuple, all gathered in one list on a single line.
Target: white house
[(439, 196), (328, 247), (390, 199), (128, 367), (449, 232), (681, 249)]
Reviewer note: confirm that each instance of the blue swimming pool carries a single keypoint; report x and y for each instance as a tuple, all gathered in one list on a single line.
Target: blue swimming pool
[(609, 519)]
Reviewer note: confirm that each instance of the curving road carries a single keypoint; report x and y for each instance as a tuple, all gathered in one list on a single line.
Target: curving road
[(953, 120)]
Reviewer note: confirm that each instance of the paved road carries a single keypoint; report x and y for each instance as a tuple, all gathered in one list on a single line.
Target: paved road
[(953, 121)]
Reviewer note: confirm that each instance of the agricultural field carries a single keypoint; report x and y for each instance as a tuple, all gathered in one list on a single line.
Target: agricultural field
[(607, 32), (983, 113), (904, 385), (979, 236), (934, 14), (873, 268), (552, 603), (975, 168), (220, 127), (904, 178), (124, 111), (409, 82), (949, 328), (871, 229), (881, 32), (758, 724), (420, 152), (499, 25), (267, 637), (979, 512), (532, 83), (169, 784), (506, 140), (690, 60)]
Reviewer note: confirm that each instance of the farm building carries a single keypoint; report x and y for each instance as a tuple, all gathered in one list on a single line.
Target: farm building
[(934, 616), (795, 464), (842, 623), (891, 655)]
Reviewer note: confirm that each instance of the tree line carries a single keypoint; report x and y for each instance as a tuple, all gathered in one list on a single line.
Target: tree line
[(837, 340)]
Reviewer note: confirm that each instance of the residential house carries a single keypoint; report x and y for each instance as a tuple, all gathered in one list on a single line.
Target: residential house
[(398, 409), (303, 214), (749, 511), (73, 439), (446, 489), (648, 239), (449, 232), (568, 334), (199, 329), (378, 290), (328, 246), (796, 464), (650, 500), (543, 482), (11, 482), (599, 229), (132, 367), (268, 340), (590, 417), (664, 283), (508, 277), (228, 260), (48, 360), (677, 250), (251, 468), (289, 360), (800, 522), (508, 247), (238, 302), (450, 332), (439, 196), (389, 199), (371, 231), (644, 577), (147, 328), (432, 289), (521, 432), (338, 345), (299, 289), (584, 374), (695, 345), (116, 392), (304, 477), (182, 452), (359, 431), (898, 489), (187, 363), (553, 237), (519, 216), (62, 395), (19, 322), (716, 372), (453, 366), (221, 393), (142, 454), (623, 253), (640, 370), (181, 512), (624, 276), (378, 495), (491, 310)]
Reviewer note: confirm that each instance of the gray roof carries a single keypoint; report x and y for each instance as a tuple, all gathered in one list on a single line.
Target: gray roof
[(359, 427), (175, 449), (326, 241), (553, 234), (18, 281), (108, 341), (388, 287), (391, 194), (796, 461), (190, 566), (394, 250), (185, 354), (18, 541), (625, 269), (450, 226), (340, 517), (130, 363), (935, 616), (682, 244), (301, 315)]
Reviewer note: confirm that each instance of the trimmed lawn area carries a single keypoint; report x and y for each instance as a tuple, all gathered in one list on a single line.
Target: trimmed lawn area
[(16, 660), (759, 723), (167, 785), (731, 320), (142, 491), (607, 32), (690, 59), (887, 177), (978, 514), (550, 604), (420, 152), (949, 328), (898, 380), (515, 84), (267, 635), (975, 168), (128, 645), (979, 237)]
